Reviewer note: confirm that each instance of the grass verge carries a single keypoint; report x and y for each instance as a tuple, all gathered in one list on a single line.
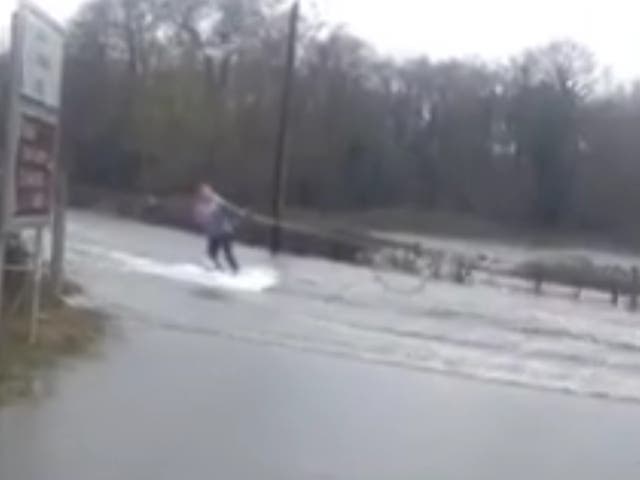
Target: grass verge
[(64, 332)]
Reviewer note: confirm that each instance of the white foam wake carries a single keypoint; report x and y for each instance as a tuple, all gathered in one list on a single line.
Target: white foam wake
[(249, 279)]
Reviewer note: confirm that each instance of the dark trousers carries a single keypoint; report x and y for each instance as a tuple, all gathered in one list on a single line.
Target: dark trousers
[(224, 243)]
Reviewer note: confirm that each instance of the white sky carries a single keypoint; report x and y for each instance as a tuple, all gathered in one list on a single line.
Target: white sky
[(491, 29)]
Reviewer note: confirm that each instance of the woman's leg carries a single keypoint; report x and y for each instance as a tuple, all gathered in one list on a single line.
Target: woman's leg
[(227, 247), (213, 247)]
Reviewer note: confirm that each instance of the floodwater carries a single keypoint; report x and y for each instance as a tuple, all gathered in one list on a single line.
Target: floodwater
[(327, 375), (483, 332)]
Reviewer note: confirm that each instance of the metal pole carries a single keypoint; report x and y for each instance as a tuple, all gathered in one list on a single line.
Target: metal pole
[(8, 167), (280, 170), (58, 234), (36, 294)]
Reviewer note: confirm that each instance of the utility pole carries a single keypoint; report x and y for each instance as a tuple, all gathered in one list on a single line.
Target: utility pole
[(280, 167)]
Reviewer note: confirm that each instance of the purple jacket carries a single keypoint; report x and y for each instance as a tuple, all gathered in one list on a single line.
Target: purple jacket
[(214, 217)]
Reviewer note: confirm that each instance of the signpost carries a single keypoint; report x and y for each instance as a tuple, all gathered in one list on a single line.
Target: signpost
[(29, 164)]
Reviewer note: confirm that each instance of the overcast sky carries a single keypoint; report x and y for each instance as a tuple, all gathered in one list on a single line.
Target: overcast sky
[(492, 29)]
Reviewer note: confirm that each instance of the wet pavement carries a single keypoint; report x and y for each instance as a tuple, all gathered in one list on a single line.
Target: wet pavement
[(320, 378)]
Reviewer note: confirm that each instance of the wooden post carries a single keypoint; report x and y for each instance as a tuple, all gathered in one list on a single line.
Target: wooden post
[(579, 284), (537, 279), (437, 263), (59, 217), (58, 237), (577, 293), (280, 170), (615, 295), (635, 289), (36, 299), (462, 271)]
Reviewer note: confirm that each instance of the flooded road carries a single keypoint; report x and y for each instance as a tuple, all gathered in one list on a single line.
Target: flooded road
[(328, 376)]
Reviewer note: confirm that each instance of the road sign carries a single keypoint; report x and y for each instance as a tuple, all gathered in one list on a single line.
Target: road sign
[(42, 53), (35, 164), (37, 62)]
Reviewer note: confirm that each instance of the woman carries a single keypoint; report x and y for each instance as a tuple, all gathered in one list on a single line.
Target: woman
[(218, 220)]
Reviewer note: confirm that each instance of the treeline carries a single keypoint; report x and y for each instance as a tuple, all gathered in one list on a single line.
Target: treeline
[(161, 94)]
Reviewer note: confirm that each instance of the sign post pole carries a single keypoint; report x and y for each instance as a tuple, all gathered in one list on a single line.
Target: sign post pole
[(34, 326), (37, 51), (59, 220), (8, 168), (59, 234)]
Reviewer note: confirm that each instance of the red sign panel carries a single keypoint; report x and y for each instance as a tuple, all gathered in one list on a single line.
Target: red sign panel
[(34, 167)]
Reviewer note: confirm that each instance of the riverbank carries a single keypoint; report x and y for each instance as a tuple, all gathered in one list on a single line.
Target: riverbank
[(64, 332), (410, 222)]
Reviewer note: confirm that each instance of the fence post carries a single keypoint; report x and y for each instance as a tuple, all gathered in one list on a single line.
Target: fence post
[(635, 287), (615, 294), (459, 272), (578, 292), (537, 280)]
